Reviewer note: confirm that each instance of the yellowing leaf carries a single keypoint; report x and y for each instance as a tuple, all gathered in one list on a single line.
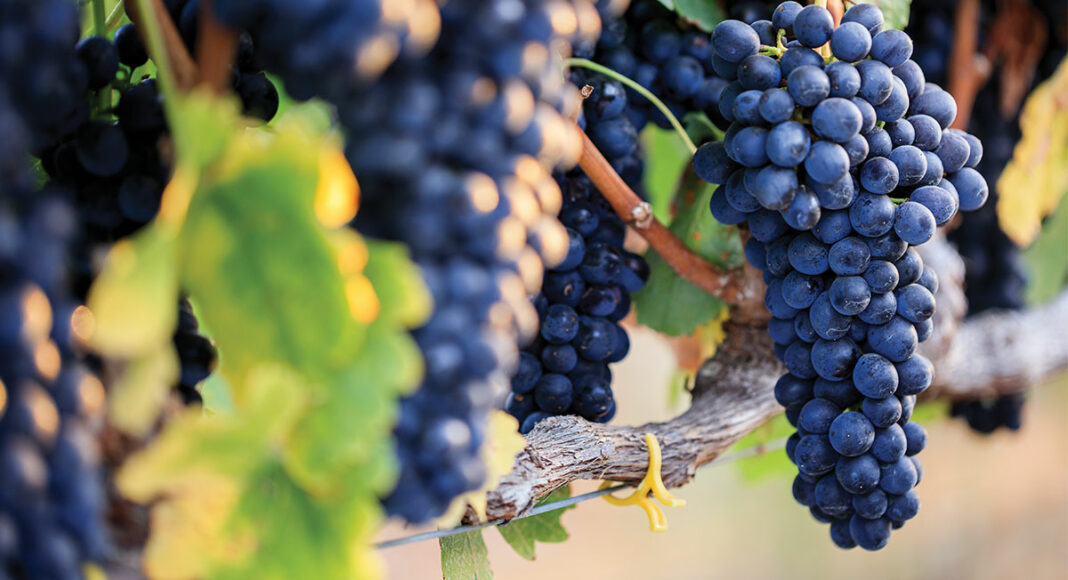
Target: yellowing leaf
[(188, 539), (133, 300), (209, 122), (194, 447), (398, 284), (1032, 183), (138, 395), (259, 264), (503, 443), (338, 194)]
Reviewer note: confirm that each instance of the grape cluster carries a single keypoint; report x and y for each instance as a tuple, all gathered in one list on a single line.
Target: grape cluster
[(986, 416), (51, 490), (648, 46), (453, 146), (837, 166), (116, 169), (323, 49), (565, 370)]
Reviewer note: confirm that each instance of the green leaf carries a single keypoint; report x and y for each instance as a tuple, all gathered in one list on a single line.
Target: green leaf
[(464, 557), (774, 429), (669, 4), (1048, 270), (895, 12), (670, 304), (768, 465), (706, 14), (264, 275), (522, 534), (299, 535), (667, 157), (316, 456), (402, 295)]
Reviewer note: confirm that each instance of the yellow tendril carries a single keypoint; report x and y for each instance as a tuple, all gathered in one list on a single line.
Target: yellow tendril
[(652, 484)]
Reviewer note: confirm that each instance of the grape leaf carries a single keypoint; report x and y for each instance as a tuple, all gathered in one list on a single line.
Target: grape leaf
[(670, 304), (1048, 272), (283, 482), (666, 159), (465, 557), (767, 464), (706, 14), (522, 534), (136, 397), (265, 277), (764, 466), (895, 12), (1033, 182), (134, 299)]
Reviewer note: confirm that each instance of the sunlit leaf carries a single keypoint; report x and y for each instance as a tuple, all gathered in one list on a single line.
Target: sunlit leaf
[(1033, 182), (895, 12), (259, 264), (134, 299), (137, 396)]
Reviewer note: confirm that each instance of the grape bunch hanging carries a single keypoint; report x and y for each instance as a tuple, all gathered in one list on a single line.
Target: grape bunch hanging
[(838, 164)]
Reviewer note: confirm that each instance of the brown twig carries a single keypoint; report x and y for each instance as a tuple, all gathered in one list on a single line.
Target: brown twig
[(634, 211), (968, 70), (837, 9), (185, 70), (216, 47)]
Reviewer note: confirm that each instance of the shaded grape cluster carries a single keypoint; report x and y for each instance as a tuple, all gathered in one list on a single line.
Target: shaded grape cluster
[(51, 489), (453, 145), (116, 165), (650, 46), (837, 167), (566, 369)]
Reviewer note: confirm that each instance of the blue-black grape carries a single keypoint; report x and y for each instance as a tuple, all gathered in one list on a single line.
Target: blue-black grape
[(849, 298)]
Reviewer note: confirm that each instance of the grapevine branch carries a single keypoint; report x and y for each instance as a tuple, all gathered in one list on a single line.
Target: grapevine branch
[(999, 352), (634, 211), (215, 49), (180, 63), (968, 70)]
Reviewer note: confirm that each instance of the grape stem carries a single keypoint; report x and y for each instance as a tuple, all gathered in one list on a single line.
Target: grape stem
[(649, 96), (215, 49), (634, 211), (176, 69), (113, 19)]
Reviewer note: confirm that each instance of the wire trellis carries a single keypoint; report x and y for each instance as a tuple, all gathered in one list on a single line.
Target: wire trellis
[(724, 459)]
